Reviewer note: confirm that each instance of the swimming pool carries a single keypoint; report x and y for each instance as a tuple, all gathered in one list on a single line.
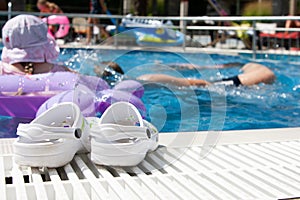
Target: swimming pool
[(174, 109)]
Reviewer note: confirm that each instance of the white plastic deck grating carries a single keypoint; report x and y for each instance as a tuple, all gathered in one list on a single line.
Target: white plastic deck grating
[(261, 164)]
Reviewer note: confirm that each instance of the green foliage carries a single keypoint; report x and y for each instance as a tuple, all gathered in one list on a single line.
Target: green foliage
[(258, 9), (160, 8), (29, 8)]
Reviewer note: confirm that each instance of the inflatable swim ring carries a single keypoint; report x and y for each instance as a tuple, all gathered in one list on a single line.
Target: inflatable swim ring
[(51, 82), (149, 32), (62, 21), (158, 37), (37, 89), (91, 102), (41, 91), (129, 21)]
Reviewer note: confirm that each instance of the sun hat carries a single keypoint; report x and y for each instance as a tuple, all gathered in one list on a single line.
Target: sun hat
[(25, 39)]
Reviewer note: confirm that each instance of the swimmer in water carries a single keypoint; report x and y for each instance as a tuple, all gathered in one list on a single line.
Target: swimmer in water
[(184, 66), (253, 73)]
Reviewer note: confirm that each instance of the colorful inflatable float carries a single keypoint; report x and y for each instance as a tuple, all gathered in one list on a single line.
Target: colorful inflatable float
[(148, 32), (158, 37), (40, 92), (62, 22)]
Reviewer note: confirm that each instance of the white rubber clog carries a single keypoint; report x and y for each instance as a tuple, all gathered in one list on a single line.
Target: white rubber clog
[(121, 137), (53, 138)]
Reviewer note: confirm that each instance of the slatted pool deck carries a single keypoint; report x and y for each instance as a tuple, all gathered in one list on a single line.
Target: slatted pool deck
[(252, 164)]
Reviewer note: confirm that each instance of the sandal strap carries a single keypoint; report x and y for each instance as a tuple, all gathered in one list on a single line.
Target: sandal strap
[(113, 132), (38, 132)]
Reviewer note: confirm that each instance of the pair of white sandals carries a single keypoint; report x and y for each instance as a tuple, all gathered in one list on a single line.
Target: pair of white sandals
[(119, 138)]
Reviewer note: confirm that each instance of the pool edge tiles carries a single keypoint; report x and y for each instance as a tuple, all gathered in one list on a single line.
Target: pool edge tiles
[(171, 49), (198, 138), (259, 53)]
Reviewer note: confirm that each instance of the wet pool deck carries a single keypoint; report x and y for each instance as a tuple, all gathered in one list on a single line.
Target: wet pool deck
[(250, 164)]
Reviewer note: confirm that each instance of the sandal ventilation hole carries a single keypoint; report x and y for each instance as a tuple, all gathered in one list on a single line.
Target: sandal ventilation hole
[(148, 133), (78, 133)]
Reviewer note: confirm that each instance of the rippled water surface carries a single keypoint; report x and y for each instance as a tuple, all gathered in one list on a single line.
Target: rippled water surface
[(174, 109)]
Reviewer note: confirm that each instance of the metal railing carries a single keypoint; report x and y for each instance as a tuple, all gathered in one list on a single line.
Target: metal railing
[(255, 40)]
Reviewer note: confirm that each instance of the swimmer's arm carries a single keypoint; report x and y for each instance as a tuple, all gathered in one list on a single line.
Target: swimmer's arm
[(162, 78), (198, 82), (194, 66)]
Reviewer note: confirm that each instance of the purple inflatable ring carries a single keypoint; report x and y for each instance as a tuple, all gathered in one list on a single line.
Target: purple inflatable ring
[(90, 93), (105, 98), (131, 86), (58, 81)]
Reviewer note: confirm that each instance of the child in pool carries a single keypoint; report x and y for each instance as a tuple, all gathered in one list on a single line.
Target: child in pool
[(28, 48), (253, 73)]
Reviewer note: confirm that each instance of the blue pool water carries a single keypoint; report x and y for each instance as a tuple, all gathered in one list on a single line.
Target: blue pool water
[(174, 109)]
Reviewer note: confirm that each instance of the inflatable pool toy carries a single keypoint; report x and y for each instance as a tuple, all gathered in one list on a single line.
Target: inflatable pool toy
[(81, 95), (41, 91), (21, 106), (58, 81), (154, 36), (38, 88), (91, 103), (158, 37), (62, 21), (48, 82), (106, 98), (131, 86), (148, 32), (130, 22)]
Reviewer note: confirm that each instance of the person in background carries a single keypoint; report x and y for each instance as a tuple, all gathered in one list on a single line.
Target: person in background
[(291, 24), (28, 48), (253, 73), (48, 7), (96, 7)]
